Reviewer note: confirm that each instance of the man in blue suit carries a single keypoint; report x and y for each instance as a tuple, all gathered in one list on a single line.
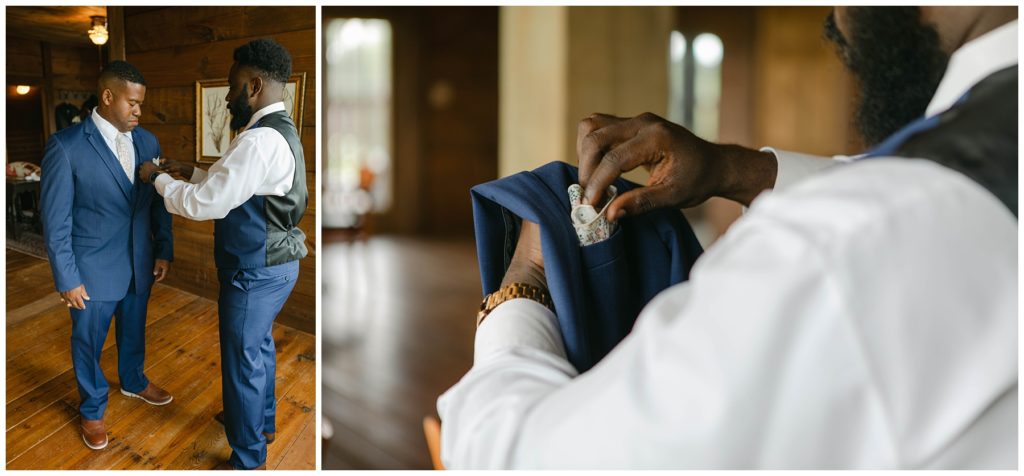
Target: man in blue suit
[(109, 238)]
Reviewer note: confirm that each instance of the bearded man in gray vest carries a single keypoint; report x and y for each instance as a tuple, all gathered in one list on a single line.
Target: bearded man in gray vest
[(256, 193)]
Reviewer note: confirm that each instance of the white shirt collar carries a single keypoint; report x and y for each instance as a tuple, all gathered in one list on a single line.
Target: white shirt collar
[(107, 130), (974, 61), (277, 106)]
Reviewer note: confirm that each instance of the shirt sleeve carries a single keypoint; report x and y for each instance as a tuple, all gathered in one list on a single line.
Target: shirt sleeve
[(236, 177), (794, 167), (198, 175), (692, 386), (519, 322)]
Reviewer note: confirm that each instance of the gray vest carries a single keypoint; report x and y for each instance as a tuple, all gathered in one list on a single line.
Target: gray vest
[(264, 230), (977, 137)]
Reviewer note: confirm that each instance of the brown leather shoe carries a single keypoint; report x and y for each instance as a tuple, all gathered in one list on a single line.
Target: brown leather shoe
[(94, 434), (152, 395), (269, 436), (225, 466)]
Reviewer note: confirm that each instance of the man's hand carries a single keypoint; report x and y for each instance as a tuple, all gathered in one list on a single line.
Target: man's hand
[(146, 169), (685, 169), (178, 170), (527, 264), (160, 269), (75, 297)]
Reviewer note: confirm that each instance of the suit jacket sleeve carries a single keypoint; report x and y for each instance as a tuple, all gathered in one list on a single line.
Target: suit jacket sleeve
[(57, 192), (160, 221)]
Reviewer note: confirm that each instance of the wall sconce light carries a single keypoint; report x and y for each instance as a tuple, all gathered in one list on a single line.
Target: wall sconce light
[(98, 33), (22, 89)]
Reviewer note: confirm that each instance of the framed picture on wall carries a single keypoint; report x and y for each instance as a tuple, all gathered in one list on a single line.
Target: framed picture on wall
[(294, 92), (213, 121)]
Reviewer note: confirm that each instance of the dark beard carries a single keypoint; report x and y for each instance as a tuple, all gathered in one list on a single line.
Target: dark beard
[(897, 62), (241, 111)]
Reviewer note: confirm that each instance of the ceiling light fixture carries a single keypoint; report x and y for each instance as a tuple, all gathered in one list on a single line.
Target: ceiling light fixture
[(98, 33)]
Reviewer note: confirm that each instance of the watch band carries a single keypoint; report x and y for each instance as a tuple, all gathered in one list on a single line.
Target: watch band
[(510, 292), (154, 175)]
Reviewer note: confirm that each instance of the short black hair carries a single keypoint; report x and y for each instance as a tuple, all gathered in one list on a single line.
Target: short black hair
[(122, 70), (268, 56)]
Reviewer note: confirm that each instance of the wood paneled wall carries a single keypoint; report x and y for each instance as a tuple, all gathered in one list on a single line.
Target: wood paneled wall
[(459, 52), (804, 97), (24, 59), (71, 68), (174, 47), (24, 126)]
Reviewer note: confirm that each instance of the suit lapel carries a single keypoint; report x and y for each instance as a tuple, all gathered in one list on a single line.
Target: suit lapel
[(108, 158), (139, 159)]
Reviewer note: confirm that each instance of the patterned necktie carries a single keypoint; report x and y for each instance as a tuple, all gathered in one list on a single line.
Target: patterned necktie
[(125, 156)]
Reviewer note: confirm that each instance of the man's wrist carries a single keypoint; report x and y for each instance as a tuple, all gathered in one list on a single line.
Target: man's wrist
[(508, 292), (745, 173), (524, 273)]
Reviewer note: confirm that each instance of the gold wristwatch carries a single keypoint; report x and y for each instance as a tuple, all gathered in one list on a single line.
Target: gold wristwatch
[(510, 292)]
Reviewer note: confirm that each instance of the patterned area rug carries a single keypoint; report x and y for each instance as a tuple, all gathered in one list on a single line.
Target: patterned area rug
[(28, 242)]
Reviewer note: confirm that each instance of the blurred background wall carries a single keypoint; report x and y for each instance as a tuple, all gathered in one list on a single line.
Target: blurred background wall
[(480, 93)]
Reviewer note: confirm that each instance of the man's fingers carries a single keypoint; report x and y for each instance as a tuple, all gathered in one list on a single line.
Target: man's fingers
[(594, 145), (641, 149), (639, 201), (590, 124)]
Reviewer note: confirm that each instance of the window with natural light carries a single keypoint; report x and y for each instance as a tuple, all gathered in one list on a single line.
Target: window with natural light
[(357, 172), (695, 82)]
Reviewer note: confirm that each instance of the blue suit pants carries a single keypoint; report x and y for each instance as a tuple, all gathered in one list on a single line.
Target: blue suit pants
[(89, 331), (249, 301)]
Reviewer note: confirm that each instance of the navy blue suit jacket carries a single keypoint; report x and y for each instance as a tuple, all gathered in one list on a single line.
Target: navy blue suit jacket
[(100, 229), (598, 290)]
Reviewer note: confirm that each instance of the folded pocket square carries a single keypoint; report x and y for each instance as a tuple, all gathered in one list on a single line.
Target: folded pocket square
[(591, 226)]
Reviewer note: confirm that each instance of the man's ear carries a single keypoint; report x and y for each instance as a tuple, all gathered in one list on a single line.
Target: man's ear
[(257, 86), (107, 97)]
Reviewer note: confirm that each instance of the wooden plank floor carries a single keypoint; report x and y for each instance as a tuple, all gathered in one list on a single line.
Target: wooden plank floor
[(398, 325), (182, 356)]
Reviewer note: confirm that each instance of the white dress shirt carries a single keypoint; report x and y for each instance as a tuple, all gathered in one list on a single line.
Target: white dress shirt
[(862, 318), (109, 134), (258, 162)]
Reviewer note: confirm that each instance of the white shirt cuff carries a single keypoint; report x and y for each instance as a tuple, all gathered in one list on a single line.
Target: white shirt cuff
[(516, 323), (161, 183), (794, 167)]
